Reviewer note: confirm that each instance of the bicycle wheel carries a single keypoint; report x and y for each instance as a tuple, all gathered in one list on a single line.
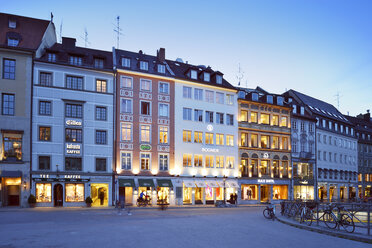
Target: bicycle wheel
[(329, 220), (347, 223), (267, 214), (309, 216)]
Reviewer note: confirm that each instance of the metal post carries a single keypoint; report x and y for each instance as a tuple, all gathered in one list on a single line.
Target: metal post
[(317, 213), (369, 219), (224, 190)]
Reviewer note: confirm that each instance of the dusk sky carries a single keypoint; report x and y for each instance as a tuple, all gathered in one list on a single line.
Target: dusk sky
[(316, 47)]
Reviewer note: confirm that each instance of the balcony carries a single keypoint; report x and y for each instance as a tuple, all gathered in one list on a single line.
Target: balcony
[(306, 155)]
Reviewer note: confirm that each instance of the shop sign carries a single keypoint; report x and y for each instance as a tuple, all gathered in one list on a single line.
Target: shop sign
[(265, 181), (73, 148), (265, 155), (210, 128), (210, 149), (145, 147), (73, 123)]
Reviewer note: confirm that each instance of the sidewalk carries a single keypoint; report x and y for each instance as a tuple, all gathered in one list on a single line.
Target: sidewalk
[(324, 230)]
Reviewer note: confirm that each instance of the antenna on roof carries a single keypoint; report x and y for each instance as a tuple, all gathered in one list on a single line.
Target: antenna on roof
[(60, 32), (338, 96), (239, 75), (85, 38), (51, 16), (118, 32)]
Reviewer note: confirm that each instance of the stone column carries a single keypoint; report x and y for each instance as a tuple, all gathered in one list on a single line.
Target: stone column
[(203, 190), (259, 193), (328, 193), (214, 194), (193, 196), (346, 196)]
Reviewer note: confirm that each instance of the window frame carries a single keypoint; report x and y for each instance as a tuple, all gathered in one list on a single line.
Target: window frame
[(12, 75), (50, 133), (101, 158), (97, 131), (95, 113)]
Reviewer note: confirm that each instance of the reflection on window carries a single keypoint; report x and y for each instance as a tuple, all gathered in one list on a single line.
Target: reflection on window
[(74, 192)]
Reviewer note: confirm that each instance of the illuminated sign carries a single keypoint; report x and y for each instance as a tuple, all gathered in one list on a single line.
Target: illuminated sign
[(72, 176), (73, 148), (304, 182), (210, 128), (145, 147), (266, 155), (73, 123), (265, 181), (210, 150)]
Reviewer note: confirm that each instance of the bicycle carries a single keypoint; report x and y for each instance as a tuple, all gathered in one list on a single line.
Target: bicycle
[(345, 220), (307, 214), (269, 212)]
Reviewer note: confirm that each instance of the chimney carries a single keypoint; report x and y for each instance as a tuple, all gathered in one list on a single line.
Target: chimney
[(68, 42), (367, 116), (161, 54)]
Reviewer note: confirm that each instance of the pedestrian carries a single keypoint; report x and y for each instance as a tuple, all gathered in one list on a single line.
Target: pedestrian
[(231, 199), (236, 199), (101, 197)]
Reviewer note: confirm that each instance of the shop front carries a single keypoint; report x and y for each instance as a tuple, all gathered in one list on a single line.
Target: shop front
[(126, 188), (303, 189), (164, 190), (146, 190), (10, 188)]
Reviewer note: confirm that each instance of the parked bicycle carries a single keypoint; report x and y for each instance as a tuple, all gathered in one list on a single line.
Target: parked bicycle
[(269, 212), (306, 214), (343, 219)]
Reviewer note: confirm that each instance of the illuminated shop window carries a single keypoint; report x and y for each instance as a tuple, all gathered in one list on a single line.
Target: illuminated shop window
[(74, 192), (249, 192), (12, 147), (43, 192), (280, 192), (265, 119)]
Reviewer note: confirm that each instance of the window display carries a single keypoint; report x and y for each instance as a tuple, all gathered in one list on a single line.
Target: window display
[(209, 194), (280, 192), (43, 192), (187, 195), (303, 192), (249, 192), (99, 194), (219, 194), (74, 192), (163, 194)]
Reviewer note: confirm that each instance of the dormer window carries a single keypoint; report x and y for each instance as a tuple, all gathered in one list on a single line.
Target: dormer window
[(255, 97), (219, 79), (194, 74), (144, 65), (75, 60), (207, 77), (269, 99), (12, 24), (13, 42), (51, 57), (98, 63), (125, 62), (161, 69), (280, 100), (294, 111), (302, 109)]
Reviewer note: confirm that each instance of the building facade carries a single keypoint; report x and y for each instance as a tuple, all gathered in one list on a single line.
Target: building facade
[(23, 39), (72, 126), (336, 148), (264, 146)]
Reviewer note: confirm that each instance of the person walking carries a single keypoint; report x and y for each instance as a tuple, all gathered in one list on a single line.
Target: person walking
[(101, 197)]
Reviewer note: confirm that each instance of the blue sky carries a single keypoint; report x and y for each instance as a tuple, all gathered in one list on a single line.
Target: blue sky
[(318, 47)]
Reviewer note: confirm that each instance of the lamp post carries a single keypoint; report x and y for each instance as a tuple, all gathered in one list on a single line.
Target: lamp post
[(224, 189)]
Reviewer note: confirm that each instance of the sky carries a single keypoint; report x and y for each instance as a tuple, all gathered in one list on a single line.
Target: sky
[(318, 47)]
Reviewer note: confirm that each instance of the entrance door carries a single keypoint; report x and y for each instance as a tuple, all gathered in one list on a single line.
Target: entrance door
[(58, 195), (265, 193), (13, 192)]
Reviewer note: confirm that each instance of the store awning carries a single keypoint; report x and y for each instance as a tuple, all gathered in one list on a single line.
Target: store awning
[(212, 184), (10, 174), (189, 183), (177, 182), (164, 183), (146, 183), (231, 184), (127, 183), (200, 184)]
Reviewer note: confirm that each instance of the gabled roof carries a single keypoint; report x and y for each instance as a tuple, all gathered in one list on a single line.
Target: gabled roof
[(29, 31)]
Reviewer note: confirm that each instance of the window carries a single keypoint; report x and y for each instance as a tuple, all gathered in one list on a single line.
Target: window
[(145, 133), (101, 137), (194, 74), (12, 147), (254, 140), (283, 121), (209, 161), (302, 126), (101, 164), (243, 115), (325, 156), (243, 139), (163, 162), (101, 85), (265, 118), (285, 143), (126, 160), (51, 57), (198, 137), (275, 144), (209, 138), (125, 62), (254, 97), (219, 118), (161, 69), (187, 160), (163, 135), (9, 67), (330, 125), (198, 115), (163, 110), (279, 100), (75, 60), (254, 118), (126, 82), (75, 83), (220, 97), (186, 92), (198, 94), (45, 79), (145, 85), (74, 110), (230, 140), (187, 114), (209, 95), (219, 139), (302, 110), (219, 161), (311, 127), (74, 192), (145, 108), (98, 63), (294, 111), (144, 65), (208, 117), (126, 106), (145, 161), (13, 42), (12, 24), (207, 77), (73, 164), (229, 119), (186, 134), (44, 134), (43, 192), (101, 113), (269, 99), (126, 132), (74, 135), (45, 108), (275, 120), (163, 88), (229, 99), (230, 162), (198, 160), (219, 79), (294, 146), (265, 141), (44, 162)]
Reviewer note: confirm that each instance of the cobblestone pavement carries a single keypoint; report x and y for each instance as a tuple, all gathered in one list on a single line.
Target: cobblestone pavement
[(204, 227)]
